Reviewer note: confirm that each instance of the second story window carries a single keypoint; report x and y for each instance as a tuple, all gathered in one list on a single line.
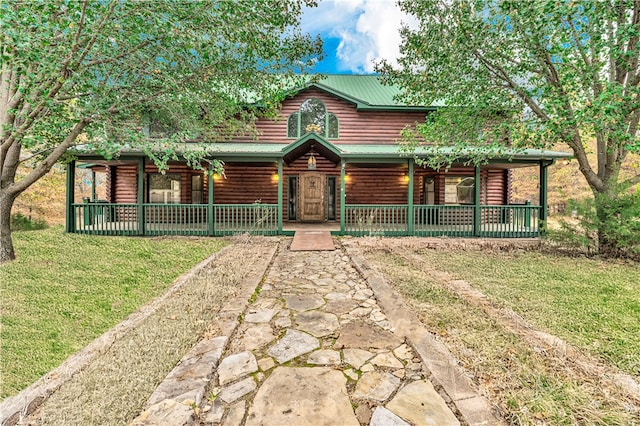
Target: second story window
[(313, 117)]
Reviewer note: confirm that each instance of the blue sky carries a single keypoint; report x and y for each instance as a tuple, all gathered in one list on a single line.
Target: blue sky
[(356, 33)]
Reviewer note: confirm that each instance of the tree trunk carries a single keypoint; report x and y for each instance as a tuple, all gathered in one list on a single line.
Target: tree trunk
[(606, 201), (7, 252)]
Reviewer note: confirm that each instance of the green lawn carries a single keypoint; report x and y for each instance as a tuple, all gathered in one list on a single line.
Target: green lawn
[(64, 290), (592, 304)]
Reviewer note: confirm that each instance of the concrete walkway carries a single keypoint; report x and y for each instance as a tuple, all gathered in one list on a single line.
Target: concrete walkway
[(316, 347)]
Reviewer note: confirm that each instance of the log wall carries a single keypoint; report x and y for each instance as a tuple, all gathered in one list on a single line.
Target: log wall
[(247, 183), (356, 127)]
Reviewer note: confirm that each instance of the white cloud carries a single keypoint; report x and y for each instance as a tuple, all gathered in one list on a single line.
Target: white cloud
[(368, 30)]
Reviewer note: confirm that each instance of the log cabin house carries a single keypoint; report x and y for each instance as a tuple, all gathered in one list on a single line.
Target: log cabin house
[(332, 160)]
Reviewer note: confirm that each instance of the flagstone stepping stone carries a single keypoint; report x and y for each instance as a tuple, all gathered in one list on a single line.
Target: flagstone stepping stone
[(328, 282), (383, 417), (403, 352), (303, 302), (256, 336), (351, 374), (317, 323), (400, 373), (167, 412), (262, 316), (305, 396), (265, 303), (356, 357), (266, 364), (337, 296), (237, 390), (386, 360), (419, 403), (360, 312), (282, 322), (293, 344), (236, 366), (339, 307), (377, 315), (376, 386), (324, 357), (363, 336), (367, 367), (236, 414), (215, 413), (363, 294)]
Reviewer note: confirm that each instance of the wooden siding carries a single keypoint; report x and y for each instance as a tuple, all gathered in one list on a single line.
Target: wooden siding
[(126, 184), (366, 184), (247, 183), (376, 184), (356, 127), (495, 187)]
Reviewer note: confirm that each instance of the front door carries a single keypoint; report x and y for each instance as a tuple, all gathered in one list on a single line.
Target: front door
[(312, 197)]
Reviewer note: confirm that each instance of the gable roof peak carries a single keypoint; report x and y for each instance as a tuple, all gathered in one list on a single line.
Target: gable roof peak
[(366, 91)]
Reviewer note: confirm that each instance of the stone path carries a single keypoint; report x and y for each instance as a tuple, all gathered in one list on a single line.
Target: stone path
[(313, 347)]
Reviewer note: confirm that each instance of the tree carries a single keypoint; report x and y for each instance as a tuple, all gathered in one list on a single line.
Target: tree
[(90, 72), (530, 74)]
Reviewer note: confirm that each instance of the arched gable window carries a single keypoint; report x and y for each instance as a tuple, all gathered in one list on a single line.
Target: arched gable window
[(313, 117)]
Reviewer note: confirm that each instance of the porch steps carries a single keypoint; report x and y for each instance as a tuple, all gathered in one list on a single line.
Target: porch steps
[(312, 241)]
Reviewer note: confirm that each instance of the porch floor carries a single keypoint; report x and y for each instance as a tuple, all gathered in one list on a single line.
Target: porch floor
[(319, 226), (312, 241)]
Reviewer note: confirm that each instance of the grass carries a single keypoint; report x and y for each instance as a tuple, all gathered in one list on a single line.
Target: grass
[(593, 304), (114, 387), (529, 385), (64, 290)]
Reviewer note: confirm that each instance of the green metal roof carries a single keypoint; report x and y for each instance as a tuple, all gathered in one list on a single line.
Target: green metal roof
[(257, 151), (367, 92), (386, 151)]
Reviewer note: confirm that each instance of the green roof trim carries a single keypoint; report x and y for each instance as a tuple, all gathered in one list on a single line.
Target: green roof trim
[(314, 137)]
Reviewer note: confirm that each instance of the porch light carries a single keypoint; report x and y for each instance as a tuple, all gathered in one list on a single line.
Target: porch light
[(311, 162), (275, 177), (405, 178)]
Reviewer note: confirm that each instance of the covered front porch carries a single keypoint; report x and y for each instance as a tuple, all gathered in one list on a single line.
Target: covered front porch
[(513, 221), (275, 189)]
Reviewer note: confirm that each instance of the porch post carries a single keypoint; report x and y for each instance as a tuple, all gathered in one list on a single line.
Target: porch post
[(70, 223), (343, 196), (410, 199), (544, 178), (280, 195), (211, 221), (93, 185), (477, 217), (140, 200)]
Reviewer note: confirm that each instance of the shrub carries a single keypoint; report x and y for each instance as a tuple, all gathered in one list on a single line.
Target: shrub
[(608, 226), (20, 222)]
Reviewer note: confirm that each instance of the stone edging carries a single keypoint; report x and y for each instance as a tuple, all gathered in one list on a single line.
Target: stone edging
[(474, 408), (15, 408), (177, 397)]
